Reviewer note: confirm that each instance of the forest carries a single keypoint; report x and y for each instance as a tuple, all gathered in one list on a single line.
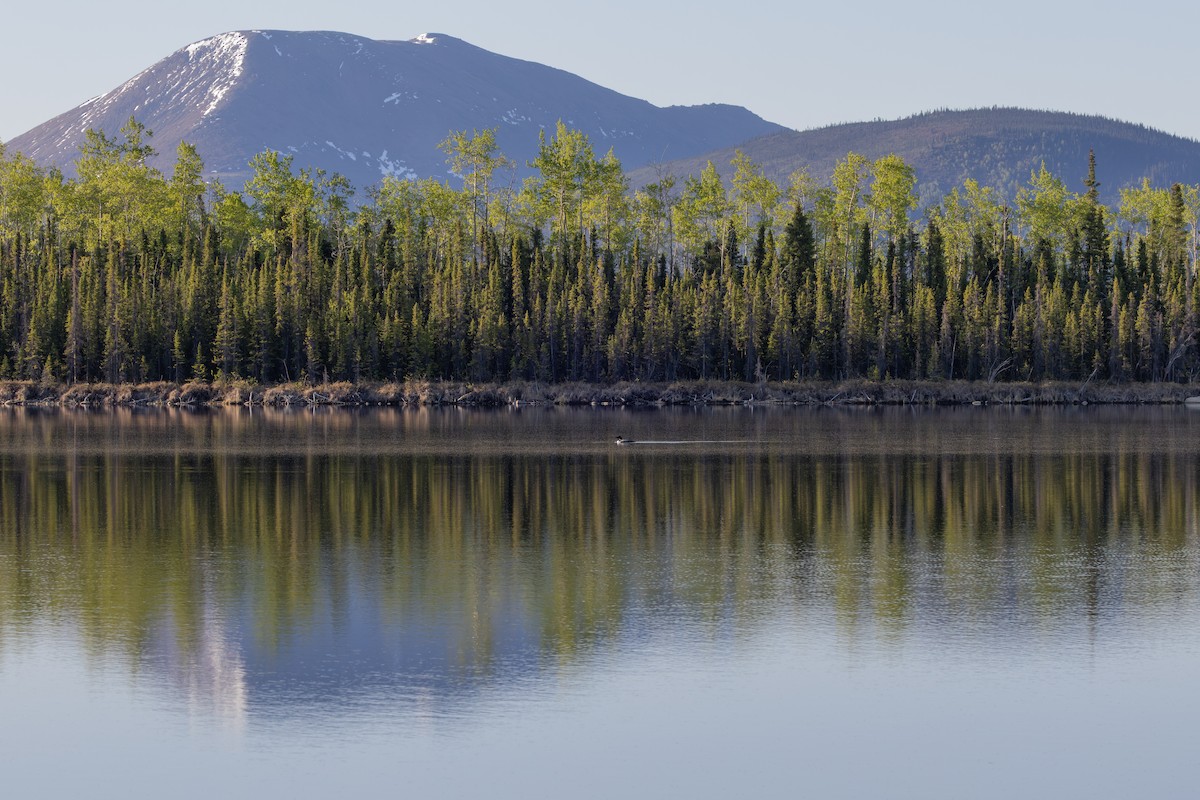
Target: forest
[(123, 273)]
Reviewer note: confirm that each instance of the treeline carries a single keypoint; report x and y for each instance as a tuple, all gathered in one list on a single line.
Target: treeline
[(127, 274)]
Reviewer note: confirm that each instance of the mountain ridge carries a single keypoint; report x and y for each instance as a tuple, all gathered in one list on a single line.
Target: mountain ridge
[(998, 147), (369, 108)]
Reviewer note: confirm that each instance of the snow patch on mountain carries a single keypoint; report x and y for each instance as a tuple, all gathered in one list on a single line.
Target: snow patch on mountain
[(343, 153), (514, 117), (221, 58), (395, 168), (98, 106), (614, 134)]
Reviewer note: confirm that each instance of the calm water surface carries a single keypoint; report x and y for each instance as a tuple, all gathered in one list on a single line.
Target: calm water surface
[(441, 603)]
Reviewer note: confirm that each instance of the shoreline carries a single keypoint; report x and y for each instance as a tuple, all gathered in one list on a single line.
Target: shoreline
[(415, 393)]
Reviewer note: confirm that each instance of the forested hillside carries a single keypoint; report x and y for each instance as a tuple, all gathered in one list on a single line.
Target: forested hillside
[(996, 147), (126, 274)]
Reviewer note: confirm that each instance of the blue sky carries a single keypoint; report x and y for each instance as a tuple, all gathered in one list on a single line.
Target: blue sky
[(797, 63)]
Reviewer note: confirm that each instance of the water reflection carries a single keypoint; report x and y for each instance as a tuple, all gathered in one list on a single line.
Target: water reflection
[(279, 563)]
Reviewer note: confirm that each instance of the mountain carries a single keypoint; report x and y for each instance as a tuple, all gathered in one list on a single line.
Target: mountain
[(997, 147), (368, 108)]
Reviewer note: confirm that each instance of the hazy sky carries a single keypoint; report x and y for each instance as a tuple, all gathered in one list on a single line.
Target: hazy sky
[(797, 63)]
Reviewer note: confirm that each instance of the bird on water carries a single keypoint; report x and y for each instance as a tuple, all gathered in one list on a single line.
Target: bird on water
[(623, 440)]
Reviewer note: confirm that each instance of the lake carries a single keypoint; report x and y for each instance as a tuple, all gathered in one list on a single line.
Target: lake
[(959, 602)]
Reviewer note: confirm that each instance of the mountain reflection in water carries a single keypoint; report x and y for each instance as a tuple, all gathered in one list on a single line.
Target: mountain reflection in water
[(276, 564)]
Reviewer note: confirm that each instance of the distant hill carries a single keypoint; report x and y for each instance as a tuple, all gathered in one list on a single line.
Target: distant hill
[(997, 147), (369, 108)]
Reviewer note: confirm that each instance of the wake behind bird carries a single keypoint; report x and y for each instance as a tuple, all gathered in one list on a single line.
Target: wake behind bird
[(623, 441)]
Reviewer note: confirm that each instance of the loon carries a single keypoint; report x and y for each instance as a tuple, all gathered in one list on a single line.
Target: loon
[(623, 440)]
